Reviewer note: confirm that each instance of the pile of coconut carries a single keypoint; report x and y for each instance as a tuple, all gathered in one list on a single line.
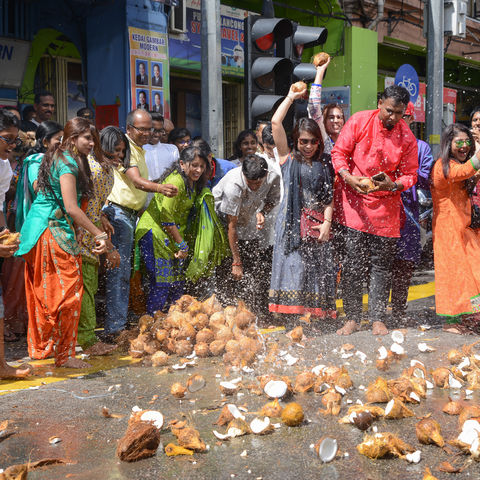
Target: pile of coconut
[(200, 328)]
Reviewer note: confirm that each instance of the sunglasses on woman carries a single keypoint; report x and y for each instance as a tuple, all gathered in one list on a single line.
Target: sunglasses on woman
[(307, 141), (461, 143)]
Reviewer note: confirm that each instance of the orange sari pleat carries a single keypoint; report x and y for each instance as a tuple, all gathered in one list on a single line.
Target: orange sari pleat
[(54, 289)]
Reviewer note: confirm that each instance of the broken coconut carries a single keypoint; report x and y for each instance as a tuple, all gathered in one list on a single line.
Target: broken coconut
[(304, 382), (229, 412), (228, 388), (397, 409), (172, 450), (178, 390), (381, 445), (378, 392), (261, 427), (272, 409), (452, 407), (141, 440), (275, 388), (187, 436), (195, 383), (326, 449), (429, 432), (292, 414)]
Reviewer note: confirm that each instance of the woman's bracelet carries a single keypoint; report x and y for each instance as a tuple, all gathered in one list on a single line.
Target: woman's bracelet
[(182, 246), (101, 236), (316, 84), (236, 264), (327, 220)]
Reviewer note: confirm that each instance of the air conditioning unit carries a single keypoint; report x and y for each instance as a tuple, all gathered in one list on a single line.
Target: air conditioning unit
[(178, 17), (455, 17)]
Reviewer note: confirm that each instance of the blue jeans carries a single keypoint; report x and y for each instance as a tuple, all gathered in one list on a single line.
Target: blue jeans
[(118, 279)]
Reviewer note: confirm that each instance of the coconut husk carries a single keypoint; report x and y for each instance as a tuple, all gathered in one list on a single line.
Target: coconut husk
[(331, 374), (178, 390), (332, 401), (440, 377), (385, 444), (292, 414), (374, 410), (211, 305), (137, 346), (272, 409), (429, 432), (217, 347), (299, 86), (397, 409), (152, 346), (344, 380), (296, 335), (225, 416), (320, 59), (159, 359), (428, 475), (187, 332), (453, 407), (141, 440), (304, 382), (473, 379), (172, 450), (200, 320), (472, 411), (187, 436), (378, 392), (145, 323), (183, 348), (202, 350), (161, 335)]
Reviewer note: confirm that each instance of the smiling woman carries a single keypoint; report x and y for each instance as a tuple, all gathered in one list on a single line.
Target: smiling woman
[(456, 246)]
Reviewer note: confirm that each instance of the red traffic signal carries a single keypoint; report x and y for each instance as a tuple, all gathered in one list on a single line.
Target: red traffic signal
[(265, 32)]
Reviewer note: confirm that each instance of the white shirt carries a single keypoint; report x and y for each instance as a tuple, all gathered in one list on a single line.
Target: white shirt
[(234, 198), (160, 160), (5, 178)]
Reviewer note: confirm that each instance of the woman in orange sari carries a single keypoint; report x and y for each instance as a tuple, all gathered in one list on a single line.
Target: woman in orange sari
[(53, 270), (456, 246)]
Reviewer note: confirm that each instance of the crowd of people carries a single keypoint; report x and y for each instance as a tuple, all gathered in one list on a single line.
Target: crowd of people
[(288, 224)]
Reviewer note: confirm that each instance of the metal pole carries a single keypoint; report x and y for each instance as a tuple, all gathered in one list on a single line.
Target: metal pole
[(212, 106), (434, 101)]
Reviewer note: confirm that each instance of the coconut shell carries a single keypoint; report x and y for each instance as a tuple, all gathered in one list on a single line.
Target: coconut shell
[(141, 440), (232, 346), (145, 322), (272, 409), (378, 392), (304, 382), (159, 359), (205, 336), (367, 185), (320, 59), (381, 445), (211, 305), (453, 407), (188, 437), (200, 321), (224, 334), (397, 409), (161, 335), (455, 356), (183, 348), (217, 347), (137, 348), (292, 414), (299, 86), (178, 390), (202, 350), (187, 332), (296, 335), (184, 302), (440, 377), (429, 432)]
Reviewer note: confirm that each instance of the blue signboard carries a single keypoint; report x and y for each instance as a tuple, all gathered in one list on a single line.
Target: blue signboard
[(407, 77), (184, 48)]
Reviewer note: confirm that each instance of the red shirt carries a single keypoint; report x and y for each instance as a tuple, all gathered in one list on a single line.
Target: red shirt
[(365, 147)]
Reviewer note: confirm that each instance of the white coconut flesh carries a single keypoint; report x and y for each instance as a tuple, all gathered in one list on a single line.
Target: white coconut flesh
[(389, 407), (154, 417), (397, 349), (415, 397), (291, 360), (233, 409), (340, 390), (430, 385), (416, 362), (318, 370), (258, 425), (471, 425), (221, 436), (464, 363), (275, 388), (397, 336), (414, 457), (424, 348), (453, 382), (327, 449), (418, 373), (179, 366), (228, 387), (468, 436), (382, 353), (362, 356)]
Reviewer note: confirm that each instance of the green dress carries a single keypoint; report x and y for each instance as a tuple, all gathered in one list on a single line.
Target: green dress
[(45, 212)]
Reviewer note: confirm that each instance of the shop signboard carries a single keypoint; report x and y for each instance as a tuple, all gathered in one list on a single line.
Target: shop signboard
[(149, 71), (185, 48), (340, 95), (13, 61)]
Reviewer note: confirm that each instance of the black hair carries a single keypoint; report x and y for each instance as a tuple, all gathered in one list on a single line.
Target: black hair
[(110, 137), (8, 119), (157, 117), (188, 155), (445, 153), (45, 131), (474, 111), (178, 133), (262, 122), (310, 126), (28, 109), (39, 95), (131, 116), (11, 108), (397, 93), (254, 167), (82, 111), (237, 152), (144, 92), (202, 144), (142, 63), (267, 135)]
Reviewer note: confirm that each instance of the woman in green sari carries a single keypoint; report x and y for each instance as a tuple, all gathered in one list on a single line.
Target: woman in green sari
[(171, 227)]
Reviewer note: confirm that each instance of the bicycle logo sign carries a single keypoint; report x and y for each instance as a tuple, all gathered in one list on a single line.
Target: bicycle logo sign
[(407, 77)]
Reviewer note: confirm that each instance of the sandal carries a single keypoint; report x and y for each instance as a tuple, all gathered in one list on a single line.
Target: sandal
[(457, 329)]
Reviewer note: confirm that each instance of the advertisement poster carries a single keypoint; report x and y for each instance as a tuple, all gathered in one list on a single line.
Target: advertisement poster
[(340, 95), (184, 48), (149, 75)]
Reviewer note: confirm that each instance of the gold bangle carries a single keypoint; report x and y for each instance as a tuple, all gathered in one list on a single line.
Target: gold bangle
[(327, 220)]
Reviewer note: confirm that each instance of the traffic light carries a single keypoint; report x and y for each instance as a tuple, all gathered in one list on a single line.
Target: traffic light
[(273, 61), (267, 77)]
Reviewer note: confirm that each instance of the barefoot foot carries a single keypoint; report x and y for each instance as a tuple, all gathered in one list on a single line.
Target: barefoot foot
[(350, 327), (379, 328), (99, 349), (74, 363), (8, 372)]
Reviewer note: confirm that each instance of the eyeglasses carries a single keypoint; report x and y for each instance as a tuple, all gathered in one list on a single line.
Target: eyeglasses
[(142, 129), (9, 141), (184, 142), (461, 143), (306, 141)]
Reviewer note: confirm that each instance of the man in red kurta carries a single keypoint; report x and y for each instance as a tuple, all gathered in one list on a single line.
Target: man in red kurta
[(373, 143)]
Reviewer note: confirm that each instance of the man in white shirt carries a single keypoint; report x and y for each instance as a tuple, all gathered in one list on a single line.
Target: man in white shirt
[(161, 158), (243, 197)]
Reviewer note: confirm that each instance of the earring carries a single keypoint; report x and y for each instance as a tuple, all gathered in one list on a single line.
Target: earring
[(75, 150)]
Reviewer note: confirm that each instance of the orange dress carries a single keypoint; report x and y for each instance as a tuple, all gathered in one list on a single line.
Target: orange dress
[(456, 247)]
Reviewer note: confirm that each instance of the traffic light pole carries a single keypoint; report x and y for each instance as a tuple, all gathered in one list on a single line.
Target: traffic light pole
[(435, 54), (211, 71)]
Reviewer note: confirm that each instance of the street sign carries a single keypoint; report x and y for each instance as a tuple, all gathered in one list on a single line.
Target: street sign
[(407, 77)]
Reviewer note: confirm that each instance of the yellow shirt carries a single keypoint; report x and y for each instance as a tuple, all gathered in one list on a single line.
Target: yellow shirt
[(124, 192)]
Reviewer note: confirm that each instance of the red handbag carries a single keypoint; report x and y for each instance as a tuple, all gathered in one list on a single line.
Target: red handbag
[(310, 218)]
